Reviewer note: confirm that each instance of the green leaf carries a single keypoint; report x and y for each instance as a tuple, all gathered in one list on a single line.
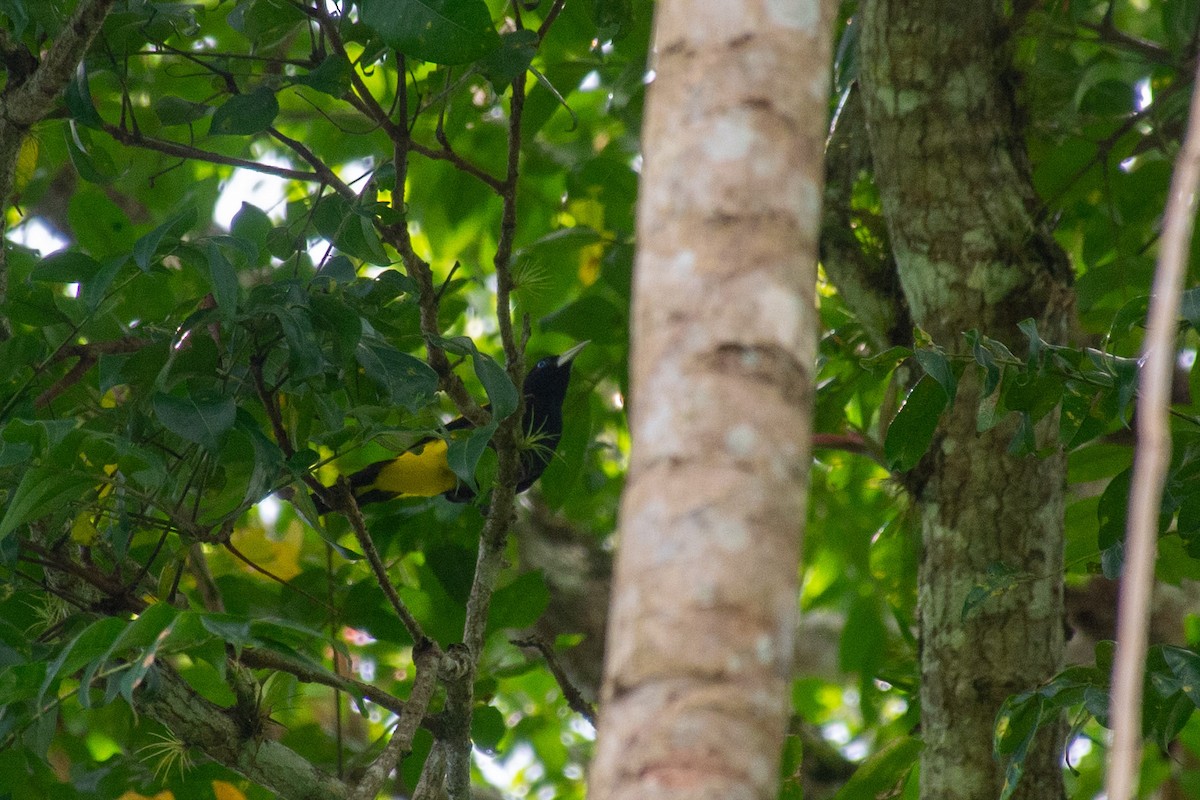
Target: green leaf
[(177, 111), (66, 266), (863, 637), (146, 247), (984, 358), (331, 76), (880, 773), (510, 60), (440, 31), (937, 366), (92, 163), (519, 604), (886, 361), (40, 491), (350, 230), (495, 380), (1186, 666), (78, 99), (1036, 394), (252, 226), (487, 728), (500, 390), (595, 317), (911, 432), (91, 644), (304, 360), (463, 454), (1189, 307), (224, 280), (268, 459), (233, 629), (408, 381), (200, 418), (245, 114), (142, 636)]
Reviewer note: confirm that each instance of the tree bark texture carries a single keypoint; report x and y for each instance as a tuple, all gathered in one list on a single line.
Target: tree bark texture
[(971, 252), (698, 670)]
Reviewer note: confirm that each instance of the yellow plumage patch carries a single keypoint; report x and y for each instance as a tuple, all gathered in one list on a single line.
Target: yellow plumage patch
[(421, 472)]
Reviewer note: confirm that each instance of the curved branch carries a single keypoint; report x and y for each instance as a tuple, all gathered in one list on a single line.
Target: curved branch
[(1152, 458)]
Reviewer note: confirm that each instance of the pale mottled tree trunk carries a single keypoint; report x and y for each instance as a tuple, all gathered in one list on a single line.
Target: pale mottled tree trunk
[(972, 254), (698, 670)]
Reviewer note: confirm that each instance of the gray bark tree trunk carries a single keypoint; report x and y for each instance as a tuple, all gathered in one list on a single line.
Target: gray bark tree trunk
[(971, 254), (695, 697)]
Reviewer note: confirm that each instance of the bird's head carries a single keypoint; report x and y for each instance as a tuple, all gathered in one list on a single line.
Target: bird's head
[(546, 384)]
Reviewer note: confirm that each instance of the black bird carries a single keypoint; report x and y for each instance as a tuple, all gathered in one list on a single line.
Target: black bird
[(423, 471)]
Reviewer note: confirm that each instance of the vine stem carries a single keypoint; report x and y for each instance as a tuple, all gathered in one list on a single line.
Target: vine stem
[(1151, 460)]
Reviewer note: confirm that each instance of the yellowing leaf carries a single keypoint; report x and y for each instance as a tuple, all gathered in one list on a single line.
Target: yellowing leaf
[(589, 263), (27, 160), (223, 790), (83, 530)]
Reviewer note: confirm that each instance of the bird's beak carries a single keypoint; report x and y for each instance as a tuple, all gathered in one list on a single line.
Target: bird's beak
[(566, 357)]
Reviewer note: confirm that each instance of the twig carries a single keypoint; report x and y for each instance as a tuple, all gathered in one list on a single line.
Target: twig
[(551, 15), (322, 169), (345, 500), (419, 270), (73, 376), (429, 787), (448, 154), (266, 573), (495, 530), (425, 658), (1110, 34), (268, 659), (371, 106), (490, 557), (195, 153), (1152, 457), (571, 694)]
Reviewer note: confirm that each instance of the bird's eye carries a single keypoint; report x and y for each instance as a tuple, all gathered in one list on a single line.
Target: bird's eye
[(543, 364)]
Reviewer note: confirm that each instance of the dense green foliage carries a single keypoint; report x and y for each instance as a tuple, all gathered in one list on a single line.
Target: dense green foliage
[(168, 371), (201, 343)]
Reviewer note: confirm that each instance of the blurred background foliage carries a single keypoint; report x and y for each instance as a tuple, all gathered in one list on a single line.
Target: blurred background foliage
[(182, 267)]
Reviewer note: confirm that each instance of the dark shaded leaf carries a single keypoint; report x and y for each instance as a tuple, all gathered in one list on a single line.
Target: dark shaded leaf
[(408, 381), (439, 31), (146, 247), (245, 114), (882, 771), (331, 76), (41, 491), (201, 418), (911, 431), (66, 266)]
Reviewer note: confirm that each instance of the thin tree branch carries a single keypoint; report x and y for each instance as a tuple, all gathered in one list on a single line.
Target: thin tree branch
[(1152, 458), (322, 169), (425, 658), (551, 15), (490, 558), (345, 499), (429, 787), (571, 694), (268, 659), (195, 153)]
